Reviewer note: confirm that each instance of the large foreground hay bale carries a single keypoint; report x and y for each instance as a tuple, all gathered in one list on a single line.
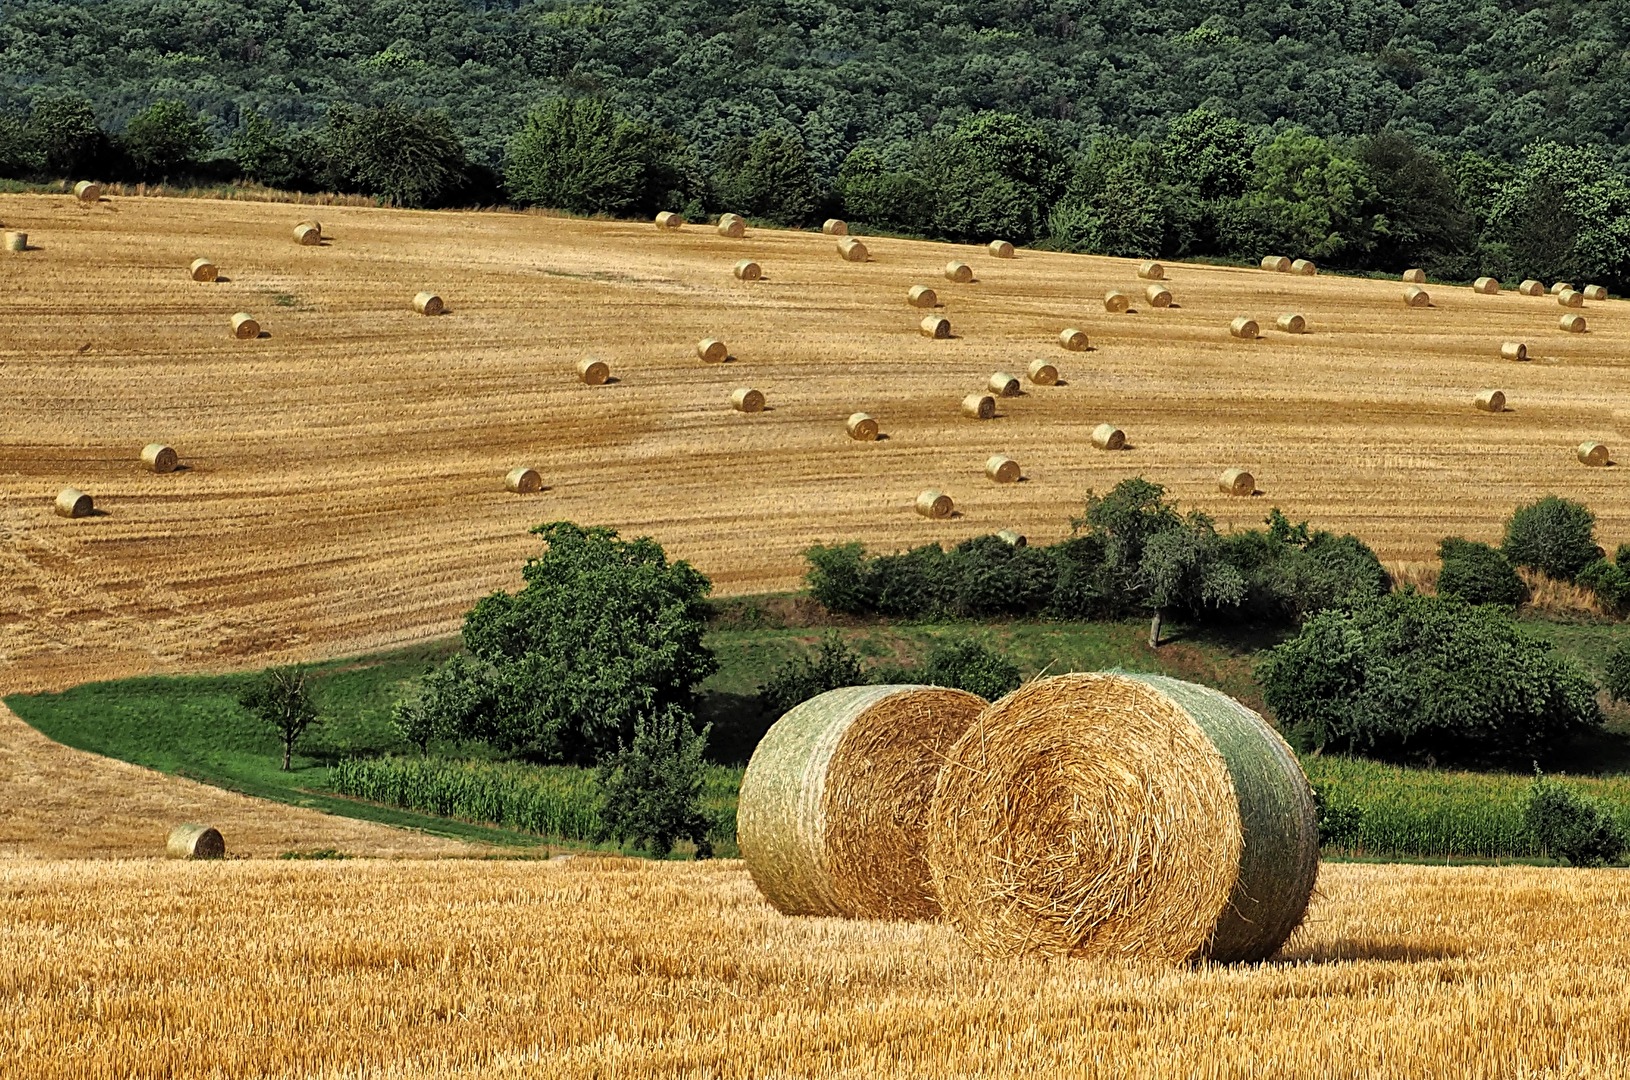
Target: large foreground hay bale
[(959, 272), (670, 220), (1000, 249), (830, 819), (937, 327), (1490, 401), (733, 226), (1593, 453), (1572, 324), (1002, 469), (1415, 296), (1514, 350), (746, 399), (852, 250), (835, 227), (1414, 276), (1116, 303), (1108, 437), (203, 270), (861, 427), (1595, 292), (1073, 339), (244, 326), (195, 842), (934, 504), (308, 233), (523, 481), (87, 191), (922, 296), (73, 503), (1128, 816), (1002, 384), (1042, 373), (1277, 263), (1236, 482), (1291, 323), (428, 303), (1486, 286), (1305, 267), (1530, 287), (1158, 296), (593, 371), (16, 241), (1244, 328), (159, 458), (979, 407), (1151, 271), (748, 270), (1558, 287), (1571, 298), (712, 350)]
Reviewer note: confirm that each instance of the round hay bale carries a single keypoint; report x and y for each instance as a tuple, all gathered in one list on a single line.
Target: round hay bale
[(1158, 296), (835, 227), (852, 250), (16, 241), (1012, 538), (523, 481), (959, 272), (979, 407), (1558, 287), (1490, 401), (592, 371), (746, 399), (1003, 470), (1126, 816), (245, 327), (1291, 324), (1003, 385), (1277, 263), (159, 458), (1108, 437), (670, 220), (1571, 298), (1000, 249), (1414, 276), (732, 226), (748, 270), (1304, 267), (1530, 287), (830, 819), (934, 504), (88, 192), (428, 303), (73, 503), (1042, 373), (922, 296), (308, 233), (1244, 328), (1151, 271), (937, 327), (1073, 339), (195, 842), (1415, 296), (1116, 303), (713, 350), (1486, 286), (1236, 482), (203, 270), (1595, 292), (1573, 324), (1593, 454), (861, 427), (1513, 350)]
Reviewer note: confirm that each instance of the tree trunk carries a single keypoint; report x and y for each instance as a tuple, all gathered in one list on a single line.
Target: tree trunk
[(1154, 630), (288, 751)]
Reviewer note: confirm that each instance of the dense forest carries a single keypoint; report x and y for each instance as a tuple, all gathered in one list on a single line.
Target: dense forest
[(1468, 137)]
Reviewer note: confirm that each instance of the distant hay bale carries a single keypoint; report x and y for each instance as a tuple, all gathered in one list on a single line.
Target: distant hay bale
[(1244, 328), (244, 326), (16, 241), (195, 842), (1158, 296), (1530, 287), (934, 504), (835, 227), (861, 427), (1490, 401), (830, 817), (1125, 816), (1561, 287), (1573, 324), (670, 220), (937, 327), (1291, 324), (428, 303), (1595, 292), (1571, 298), (203, 270), (1108, 437), (592, 371), (1116, 303), (1513, 350), (733, 226), (523, 481), (1013, 538), (921, 296), (1003, 385), (308, 233), (1151, 271), (1593, 454), (979, 407), (748, 270), (1003, 470), (1415, 276), (1073, 339), (1487, 286), (1042, 373), (1277, 263), (73, 503), (1304, 267), (1415, 296), (713, 350), (746, 399), (1236, 482), (959, 272), (159, 458), (1000, 249), (852, 250), (87, 192)]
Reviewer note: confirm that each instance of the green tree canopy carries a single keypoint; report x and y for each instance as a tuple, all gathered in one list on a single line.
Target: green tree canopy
[(166, 139), (580, 154), (407, 156)]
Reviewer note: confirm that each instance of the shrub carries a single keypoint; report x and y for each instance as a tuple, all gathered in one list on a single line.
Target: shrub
[(915, 584), (970, 665), (1554, 536), (802, 677), (838, 578), (651, 790), (274, 155), (1341, 822), (407, 157), (995, 578), (1078, 579), (1478, 574), (1609, 582), (1617, 680), (66, 137), (164, 140), (1425, 679), (17, 156), (1570, 825), (580, 154)]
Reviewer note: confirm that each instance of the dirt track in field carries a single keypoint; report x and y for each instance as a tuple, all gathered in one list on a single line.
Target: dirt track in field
[(344, 480)]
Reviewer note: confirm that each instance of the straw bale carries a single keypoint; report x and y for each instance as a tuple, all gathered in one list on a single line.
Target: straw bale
[(73, 503), (244, 326), (593, 371), (1573, 324), (1151, 271), (16, 241), (937, 327), (1108, 437), (746, 399), (1561, 287), (195, 842), (1277, 263), (1490, 401), (308, 233), (959, 272), (1593, 453), (1116, 303), (852, 250), (1158, 296), (670, 220), (1415, 296), (1003, 385), (1013, 538), (1487, 286), (1000, 249), (861, 427), (835, 227), (1530, 287), (1124, 816), (203, 270), (1291, 324), (748, 270), (1073, 339), (1570, 298), (1003, 470), (1415, 276), (1243, 328), (713, 350), (88, 192), (1236, 482), (159, 458), (934, 504), (1305, 267), (1042, 373), (1513, 350), (921, 296), (733, 226), (979, 407), (830, 818), (428, 303), (523, 481), (1595, 292)]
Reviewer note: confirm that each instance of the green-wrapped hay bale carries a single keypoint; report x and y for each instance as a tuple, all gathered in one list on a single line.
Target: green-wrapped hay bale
[(195, 842), (1123, 815), (832, 807)]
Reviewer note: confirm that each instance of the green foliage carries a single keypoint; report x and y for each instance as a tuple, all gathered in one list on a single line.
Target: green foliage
[(1478, 574), (1420, 219), (1210, 153), (1616, 681), (1426, 679), (1553, 535), (166, 139), (405, 156), (995, 175), (885, 196), (1572, 826), (1564, 214), (651, 790), (17, 157), (971, 665), (273, 154), (1609, 582), (838, 580), (1116, 202), (1185, 568), (580, 154), (279, 699), (1306, 197), (800, 678), (67, 140), (771, 177)]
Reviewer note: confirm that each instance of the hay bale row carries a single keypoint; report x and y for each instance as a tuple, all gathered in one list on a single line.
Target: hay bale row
[(1291, 323), (1108, 437), (1572, 324), (1151, 271), (160, 458), (959, 272), (1236, 482), (16, 241), (747, 400), (1116, 303), (835, 227), (308, 233), (1073, 339), (523, 481), (1486, 286), (1571, 298), (195, 842), (1042, 373), (937, 327), (87, 191), (1414, 276), (428, 303), (1415, 296), (861, 427), (670, 220), (712, 351), (852, 250), (1158, 296), (1003, 385), (73, 503), (1514, 350), (1244, 328), (593, 371), (1595, 292), (1003, 470), (1279, 264), (1000, 249), (1530, 287), (934, 504), (1304, 267), (748, 270), (203, 270), (921, 296), (1492, 401), (1593, 454), (732, 225), (979, 407), (244, 326)]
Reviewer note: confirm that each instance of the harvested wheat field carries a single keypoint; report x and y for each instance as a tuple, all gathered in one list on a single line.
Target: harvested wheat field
[(619, 968), (344, 489)]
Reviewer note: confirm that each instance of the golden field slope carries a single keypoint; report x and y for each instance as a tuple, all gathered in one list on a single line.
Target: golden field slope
[(629, 969), (344, 481)]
